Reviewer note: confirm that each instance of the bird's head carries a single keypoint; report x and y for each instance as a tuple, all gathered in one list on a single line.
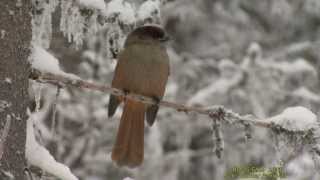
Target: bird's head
[(147, 34)]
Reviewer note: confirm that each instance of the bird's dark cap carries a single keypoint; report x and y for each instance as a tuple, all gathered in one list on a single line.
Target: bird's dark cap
[(154, 31)]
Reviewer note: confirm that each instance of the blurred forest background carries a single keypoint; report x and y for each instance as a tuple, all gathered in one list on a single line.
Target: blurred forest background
[(254, 57)]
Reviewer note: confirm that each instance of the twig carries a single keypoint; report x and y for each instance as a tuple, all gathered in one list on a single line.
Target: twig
[(217, 136), (295, 48), (28, 173), (54, 112), (60, 80)]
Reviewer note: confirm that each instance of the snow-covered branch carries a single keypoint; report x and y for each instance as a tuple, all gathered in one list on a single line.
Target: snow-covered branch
[(39, 156), (215, 111), (60, 80)]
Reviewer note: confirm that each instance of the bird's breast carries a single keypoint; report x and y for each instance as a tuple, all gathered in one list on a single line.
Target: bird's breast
[(142, 69)]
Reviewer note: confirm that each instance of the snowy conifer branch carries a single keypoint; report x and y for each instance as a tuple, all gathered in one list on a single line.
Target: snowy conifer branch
[(228, 115)]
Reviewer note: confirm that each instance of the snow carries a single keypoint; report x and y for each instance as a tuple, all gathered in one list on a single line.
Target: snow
[(299, 65), (4, 105), (124, 10), (154, 141), (298, 167), (96, 4), (8, 80), (254, 49), (7, 174), (128, 178), (11, 12), (305, 93), (296, 119), (42, 23), (45, 62), (72, 23), (230, 77), (39, 156), (3, 33), (148, 8), (202, 95)]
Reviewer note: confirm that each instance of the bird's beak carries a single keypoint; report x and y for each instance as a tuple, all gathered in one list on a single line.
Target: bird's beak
[(165, 38)]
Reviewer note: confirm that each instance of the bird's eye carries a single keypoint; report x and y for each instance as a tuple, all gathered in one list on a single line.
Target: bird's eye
[(165, 38)]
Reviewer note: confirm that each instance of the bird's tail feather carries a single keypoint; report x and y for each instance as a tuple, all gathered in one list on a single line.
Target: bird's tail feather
[(128, 149)]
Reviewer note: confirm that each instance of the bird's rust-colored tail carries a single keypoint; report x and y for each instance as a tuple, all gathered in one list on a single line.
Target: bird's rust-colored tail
[(128, 148)]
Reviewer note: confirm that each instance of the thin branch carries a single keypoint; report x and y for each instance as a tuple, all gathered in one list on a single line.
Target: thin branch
[(59, 80), (294, 49), (54, 112)]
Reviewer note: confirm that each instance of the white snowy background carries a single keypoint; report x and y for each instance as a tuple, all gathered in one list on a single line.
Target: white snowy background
[(254, 57)]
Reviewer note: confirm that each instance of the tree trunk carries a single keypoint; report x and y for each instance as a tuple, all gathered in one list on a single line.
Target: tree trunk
[(15, 38)]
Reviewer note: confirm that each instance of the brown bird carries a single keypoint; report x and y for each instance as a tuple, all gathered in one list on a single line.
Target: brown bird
[(142, 68)]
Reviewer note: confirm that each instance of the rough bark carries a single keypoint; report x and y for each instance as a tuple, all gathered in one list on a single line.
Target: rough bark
[(15, 37)]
